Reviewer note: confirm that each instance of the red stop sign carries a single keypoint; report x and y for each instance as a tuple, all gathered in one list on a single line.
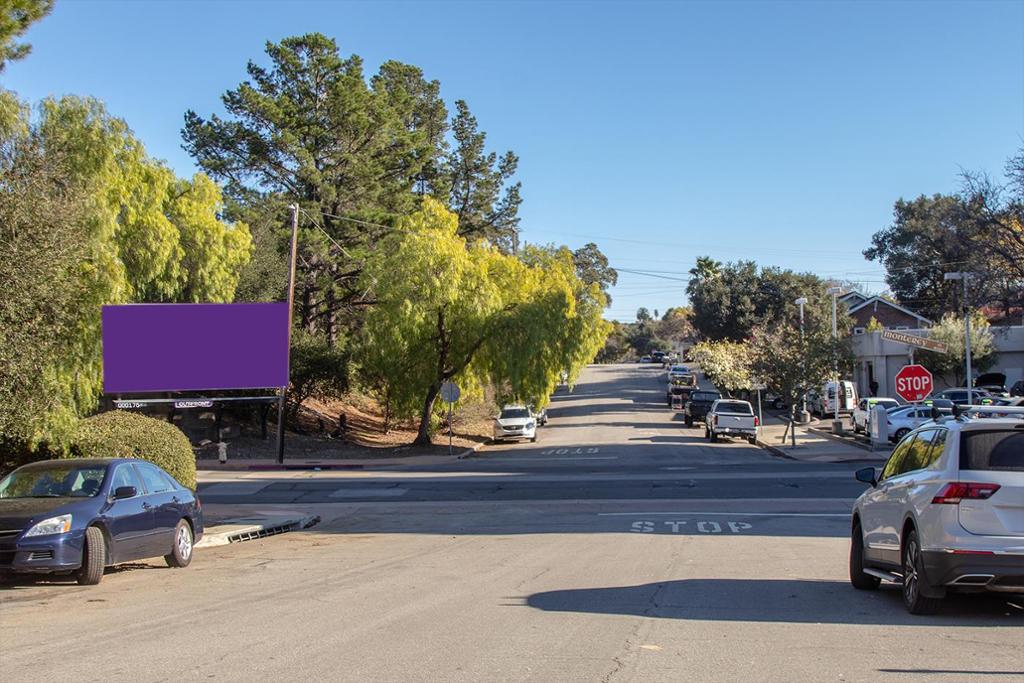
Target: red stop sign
[(913, 383)]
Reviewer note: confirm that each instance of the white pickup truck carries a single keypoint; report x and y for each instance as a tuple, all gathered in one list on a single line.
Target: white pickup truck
[(730, 417)]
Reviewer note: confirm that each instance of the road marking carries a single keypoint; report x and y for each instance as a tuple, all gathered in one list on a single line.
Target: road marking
[(570, 450), (678, 468), (599, 457), (368, 493), (703, 526), (727, 514)]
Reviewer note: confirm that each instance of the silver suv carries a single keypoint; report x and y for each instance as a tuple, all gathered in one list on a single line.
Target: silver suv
[(946, 513)]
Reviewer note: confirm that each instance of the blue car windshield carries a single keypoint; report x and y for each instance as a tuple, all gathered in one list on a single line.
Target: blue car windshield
[(61, 481)]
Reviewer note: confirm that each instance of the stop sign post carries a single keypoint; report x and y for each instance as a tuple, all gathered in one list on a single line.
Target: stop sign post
[(913, 383)]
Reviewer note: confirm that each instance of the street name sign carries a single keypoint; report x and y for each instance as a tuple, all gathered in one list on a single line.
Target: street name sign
[(920, 342), (913, 383)]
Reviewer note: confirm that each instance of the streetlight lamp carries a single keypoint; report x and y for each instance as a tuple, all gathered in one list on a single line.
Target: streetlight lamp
[(967, 330), (837, 425), (804, 415)]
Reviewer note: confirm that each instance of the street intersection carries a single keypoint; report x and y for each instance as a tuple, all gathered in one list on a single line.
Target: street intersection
[(619, 547)]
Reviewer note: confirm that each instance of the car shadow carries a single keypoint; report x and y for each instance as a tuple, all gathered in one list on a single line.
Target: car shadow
[(774, 600)]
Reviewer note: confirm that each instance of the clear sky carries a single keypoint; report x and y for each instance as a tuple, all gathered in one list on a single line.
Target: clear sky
[(778, 132)]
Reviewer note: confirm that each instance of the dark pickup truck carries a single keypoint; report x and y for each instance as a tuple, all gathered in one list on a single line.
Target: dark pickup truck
[(698, 405)]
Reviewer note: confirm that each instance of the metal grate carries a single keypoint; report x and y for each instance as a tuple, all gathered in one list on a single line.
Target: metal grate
[(271, 531)]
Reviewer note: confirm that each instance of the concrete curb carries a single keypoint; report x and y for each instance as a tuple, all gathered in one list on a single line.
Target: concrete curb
[(470, 452), (777, 452), (251, 528), (838, 439)]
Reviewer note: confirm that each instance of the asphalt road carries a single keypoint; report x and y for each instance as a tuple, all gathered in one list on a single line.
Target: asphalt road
[(620, 547)]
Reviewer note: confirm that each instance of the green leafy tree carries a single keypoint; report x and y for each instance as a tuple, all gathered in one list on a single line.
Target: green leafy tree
[(309, 128), (15, 18), (477, 184), (136, 233), (792, 363), (928, 237), (950, 331), (44, 241), (452, 310), (726, 364), (592, 268)]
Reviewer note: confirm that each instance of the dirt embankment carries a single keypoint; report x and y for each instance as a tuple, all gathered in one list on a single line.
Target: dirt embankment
[(354, 427)]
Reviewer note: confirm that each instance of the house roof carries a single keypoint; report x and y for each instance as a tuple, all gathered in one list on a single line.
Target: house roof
[(849, 296), (885, 302)]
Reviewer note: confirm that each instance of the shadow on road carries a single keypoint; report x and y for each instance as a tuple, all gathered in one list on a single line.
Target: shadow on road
[(779, 600)]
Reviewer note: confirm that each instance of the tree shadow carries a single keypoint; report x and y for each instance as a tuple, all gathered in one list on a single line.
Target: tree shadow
[(774, 600)]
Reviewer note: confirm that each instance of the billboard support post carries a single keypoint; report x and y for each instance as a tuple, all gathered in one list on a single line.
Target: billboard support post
[(291, 305)]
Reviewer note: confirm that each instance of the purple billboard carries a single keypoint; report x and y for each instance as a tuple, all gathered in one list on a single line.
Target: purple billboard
[(192, 347)]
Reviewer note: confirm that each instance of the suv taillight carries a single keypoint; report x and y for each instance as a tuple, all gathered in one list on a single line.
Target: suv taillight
[(954, 492), (714, 420), (757, 421)]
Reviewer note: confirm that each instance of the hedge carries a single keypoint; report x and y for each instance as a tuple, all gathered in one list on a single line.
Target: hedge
[(120, 434)]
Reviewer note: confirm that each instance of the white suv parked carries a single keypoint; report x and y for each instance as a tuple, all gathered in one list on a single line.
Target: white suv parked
[(946, 513), (515, 422)]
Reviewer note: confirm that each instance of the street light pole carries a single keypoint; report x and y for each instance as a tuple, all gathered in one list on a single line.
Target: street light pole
[(967, 331), (837, 426), (804, 415), (291, 306)]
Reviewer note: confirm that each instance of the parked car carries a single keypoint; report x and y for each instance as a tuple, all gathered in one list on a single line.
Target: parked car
[(680, 388), (76, 517), (677, 372), (907, 418), (769, 399), (959, 396), (992, 382), (730, 417), (862, 413), (824, 400), (1017, 389), (945, 514), (698, 406), (515, 422), (541, 416), (645, 359)]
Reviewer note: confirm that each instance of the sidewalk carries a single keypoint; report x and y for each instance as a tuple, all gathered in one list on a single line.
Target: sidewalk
[(813, 445)]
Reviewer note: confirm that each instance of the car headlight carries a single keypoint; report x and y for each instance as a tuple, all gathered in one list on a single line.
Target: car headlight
[(53, 525), (529, 424)]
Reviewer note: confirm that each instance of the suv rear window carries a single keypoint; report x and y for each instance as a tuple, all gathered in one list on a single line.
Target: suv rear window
[(992, 450), (734, 407)]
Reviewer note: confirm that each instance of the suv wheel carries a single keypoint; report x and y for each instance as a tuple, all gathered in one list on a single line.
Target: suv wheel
[(914, 579), (859, 579)]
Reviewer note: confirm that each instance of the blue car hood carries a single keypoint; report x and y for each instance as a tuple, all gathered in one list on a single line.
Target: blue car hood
[(16, 513)]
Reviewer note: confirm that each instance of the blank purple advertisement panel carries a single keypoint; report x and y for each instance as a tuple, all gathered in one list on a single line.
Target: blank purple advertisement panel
[(191, 347)]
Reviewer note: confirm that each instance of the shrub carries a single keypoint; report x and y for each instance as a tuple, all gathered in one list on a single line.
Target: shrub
[(120, 434)]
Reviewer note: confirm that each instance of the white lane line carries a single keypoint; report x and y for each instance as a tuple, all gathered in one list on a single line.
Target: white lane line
[(368, 493), (730, 514)]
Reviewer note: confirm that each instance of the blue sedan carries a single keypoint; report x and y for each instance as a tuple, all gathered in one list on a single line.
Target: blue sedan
[(79, 516)]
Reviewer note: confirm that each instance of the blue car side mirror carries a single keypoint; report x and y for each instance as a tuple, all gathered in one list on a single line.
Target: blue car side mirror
[(122, 492)]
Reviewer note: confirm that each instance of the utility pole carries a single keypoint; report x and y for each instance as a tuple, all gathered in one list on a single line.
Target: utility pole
[(805, 417), (837, 425), (967, 331), (291, 306)]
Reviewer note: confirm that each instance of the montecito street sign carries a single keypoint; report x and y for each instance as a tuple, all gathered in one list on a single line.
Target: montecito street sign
[(913, 383), (920, 342)]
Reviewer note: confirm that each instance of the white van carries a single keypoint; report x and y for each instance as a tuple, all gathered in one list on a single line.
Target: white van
[(847, 398)]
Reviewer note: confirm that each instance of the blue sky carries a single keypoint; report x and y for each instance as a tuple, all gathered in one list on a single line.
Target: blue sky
[(778, 132)]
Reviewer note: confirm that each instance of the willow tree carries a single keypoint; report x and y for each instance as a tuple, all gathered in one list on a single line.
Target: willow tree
[(448, 309), (140, 234)]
